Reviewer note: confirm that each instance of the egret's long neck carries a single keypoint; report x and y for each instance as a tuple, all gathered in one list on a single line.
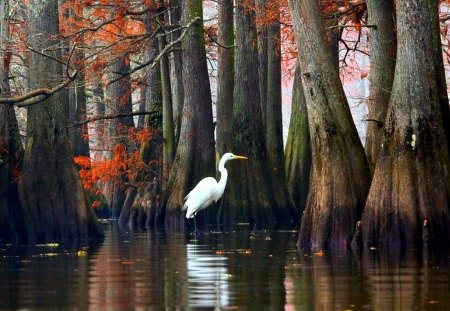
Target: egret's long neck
[(223, 177)]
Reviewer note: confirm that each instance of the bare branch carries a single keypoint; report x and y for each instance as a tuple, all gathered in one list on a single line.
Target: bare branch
[(219, 44), (351, 26), (38, 95), (168, 48), (379, 123), (180, 38), (114, 116)]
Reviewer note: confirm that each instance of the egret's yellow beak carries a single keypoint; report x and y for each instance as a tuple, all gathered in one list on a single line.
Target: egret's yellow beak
[(239, 157)]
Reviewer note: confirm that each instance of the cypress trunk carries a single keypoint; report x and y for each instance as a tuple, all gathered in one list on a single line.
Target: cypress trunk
[(274, 118), (117, 101), (55, 205), (250, 199), (168, 129), (298, 146), (411, 184), (77, 110), (263, 36), (340, 176), (225, 77), (438, 62), (383, 49), (176, 71), (194, 157), (12, 228), (150, 151)]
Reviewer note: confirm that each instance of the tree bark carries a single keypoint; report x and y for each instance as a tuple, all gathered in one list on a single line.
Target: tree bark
[(263, 37), (340, 175), (194, 158), (55, 204), (118, 100), (274, 118), (150, 151), (411, 183), (176, 71), (225, 77), (436, 46), (77, 110), (298, 146), (12, 228), (383, 50), (168, 129), (250, 196)]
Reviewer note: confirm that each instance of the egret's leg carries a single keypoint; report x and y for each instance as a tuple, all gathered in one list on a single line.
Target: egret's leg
[(195, 224)]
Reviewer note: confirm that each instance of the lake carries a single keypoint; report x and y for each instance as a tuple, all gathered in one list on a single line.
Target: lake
[(220, 271)]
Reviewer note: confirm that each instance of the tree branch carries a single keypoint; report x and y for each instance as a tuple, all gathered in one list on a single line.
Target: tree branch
[(38, 95), (219, 44), (114, 116), (379, 123), (167, 49)]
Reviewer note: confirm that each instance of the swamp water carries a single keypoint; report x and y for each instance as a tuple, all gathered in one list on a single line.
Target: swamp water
[(220, 271)]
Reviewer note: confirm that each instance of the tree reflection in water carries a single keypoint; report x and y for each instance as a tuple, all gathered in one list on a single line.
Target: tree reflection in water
[(143, 270)]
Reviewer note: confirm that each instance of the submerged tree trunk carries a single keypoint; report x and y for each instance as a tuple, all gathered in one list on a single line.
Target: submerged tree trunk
[(225, 77), (150, 151), (411, 184), (340, 175), (194, 158), (55, 204), (12, 228), (250, 196), (274, 118), (117, 101), (383, 49), (298, 146)]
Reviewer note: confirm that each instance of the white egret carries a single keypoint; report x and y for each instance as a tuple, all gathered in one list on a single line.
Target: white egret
[(208, 190)]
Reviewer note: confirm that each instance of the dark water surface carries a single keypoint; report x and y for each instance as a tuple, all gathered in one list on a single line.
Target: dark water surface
[(226, 271)]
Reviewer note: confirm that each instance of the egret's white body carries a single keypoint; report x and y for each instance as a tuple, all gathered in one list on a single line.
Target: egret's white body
[(208, 190)]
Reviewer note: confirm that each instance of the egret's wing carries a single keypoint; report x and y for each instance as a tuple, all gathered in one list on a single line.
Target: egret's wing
[(200, 196)]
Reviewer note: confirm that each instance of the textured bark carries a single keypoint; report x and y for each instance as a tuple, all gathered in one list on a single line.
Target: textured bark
[(298, 146), (411, 182), (167, 113), (77, 110), (436, 47), (12, 228), (225, 78), (250, 198), (194, 158), (118, 100), (263, 36), (151, 151), (340, 175), (55, 204), (176, 71), (274, 118), (383, 49), (98, 138)]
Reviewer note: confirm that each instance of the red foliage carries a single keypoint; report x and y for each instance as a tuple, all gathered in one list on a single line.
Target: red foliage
[(123, 163)]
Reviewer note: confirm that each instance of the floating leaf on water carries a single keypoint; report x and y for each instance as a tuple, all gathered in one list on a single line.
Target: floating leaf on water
[(81, 253), (319, 253), (48, 245)]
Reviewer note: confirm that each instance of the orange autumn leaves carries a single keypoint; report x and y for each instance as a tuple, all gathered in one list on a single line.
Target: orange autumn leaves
[(123, 163)]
